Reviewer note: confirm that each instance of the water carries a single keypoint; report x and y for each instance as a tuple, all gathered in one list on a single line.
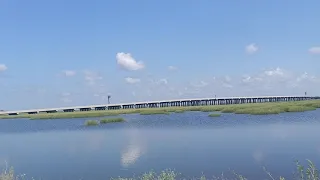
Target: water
[(190, 143)]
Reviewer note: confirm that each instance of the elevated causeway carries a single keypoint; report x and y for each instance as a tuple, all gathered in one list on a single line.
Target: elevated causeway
[(167, 103)]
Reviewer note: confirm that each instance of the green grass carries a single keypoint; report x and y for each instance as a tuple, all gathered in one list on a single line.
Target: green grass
[(91, 123), (155, 111), (310, 172), (179, 111), (214, 115), (111, 120), (250, 108)]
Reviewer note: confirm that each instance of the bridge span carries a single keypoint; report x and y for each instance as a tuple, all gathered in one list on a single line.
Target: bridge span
[(167, 103)]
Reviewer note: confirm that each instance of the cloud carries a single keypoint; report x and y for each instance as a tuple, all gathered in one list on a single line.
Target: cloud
[(91, 77), (251, 48), (172, 68), (163, 81), (132, 80), (156, 82), (3, 67), (279, 81), (65, 97), (199, 84), (65, 94), (69, 73), (227, 79), (126, 61), (274, 72), (314, 50), (66, 100)]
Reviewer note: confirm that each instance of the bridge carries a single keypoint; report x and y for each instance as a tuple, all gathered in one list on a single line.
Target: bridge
[(168, 103)]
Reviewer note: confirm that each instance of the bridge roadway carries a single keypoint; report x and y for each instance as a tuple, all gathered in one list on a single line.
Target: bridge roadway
[(168, 103)]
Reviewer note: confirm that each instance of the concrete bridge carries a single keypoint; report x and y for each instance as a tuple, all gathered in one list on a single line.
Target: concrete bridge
[(167, 103)]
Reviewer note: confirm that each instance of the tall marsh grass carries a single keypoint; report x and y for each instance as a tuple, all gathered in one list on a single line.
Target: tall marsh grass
[(91, 123), (111, 120), (214, 115)]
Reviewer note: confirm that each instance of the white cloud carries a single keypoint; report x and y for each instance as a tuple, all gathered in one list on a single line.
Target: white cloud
[(274, 72), (199, 84), (163, 81), (305, 77), (314, 50), (227, 85), (66, 100), (3, 67), (69, 73), (65, 94), (131, 80), (251, 48), (126, 61), (227, 79), (172, 68), (91, 77), (156, 82), (246, 79)]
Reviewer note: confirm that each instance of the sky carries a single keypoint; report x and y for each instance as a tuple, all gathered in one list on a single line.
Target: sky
[(58, 53)]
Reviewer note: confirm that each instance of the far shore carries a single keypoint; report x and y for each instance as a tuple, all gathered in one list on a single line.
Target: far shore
[(250, 108)]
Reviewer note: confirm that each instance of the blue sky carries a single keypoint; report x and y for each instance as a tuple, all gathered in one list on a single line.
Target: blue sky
[(75, 52)]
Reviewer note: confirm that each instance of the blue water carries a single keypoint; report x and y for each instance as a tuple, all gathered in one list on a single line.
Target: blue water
[(191, 143)]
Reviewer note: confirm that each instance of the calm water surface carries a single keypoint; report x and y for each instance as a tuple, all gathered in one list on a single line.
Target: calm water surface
[(190, 143)]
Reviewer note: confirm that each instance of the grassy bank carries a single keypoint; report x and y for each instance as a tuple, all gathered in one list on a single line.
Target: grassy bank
[(301, 173), (250, 108)]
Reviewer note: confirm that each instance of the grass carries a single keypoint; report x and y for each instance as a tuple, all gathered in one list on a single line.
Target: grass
[(155, 111), (214, 115), (310, 172), (179, 111), (250, 108), (111, 120), (91, 123)]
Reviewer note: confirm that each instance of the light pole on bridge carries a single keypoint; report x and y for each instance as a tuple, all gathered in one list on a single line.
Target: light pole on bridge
[(109, 96)]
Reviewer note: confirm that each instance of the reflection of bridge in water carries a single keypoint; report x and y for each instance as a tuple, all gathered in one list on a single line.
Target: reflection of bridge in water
[(168, 103)]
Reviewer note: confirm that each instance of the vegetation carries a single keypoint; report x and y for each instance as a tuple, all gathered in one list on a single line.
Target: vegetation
[(249, 108), (155, 111), (111, 120), (91, 123), (179, 111), (214, 115), (302, 173)]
